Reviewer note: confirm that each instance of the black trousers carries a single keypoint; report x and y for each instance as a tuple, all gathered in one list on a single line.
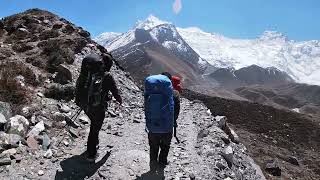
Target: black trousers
[(159, 141), (96, 117)]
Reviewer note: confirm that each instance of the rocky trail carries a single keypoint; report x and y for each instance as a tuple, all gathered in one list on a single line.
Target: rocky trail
[(124, 151)]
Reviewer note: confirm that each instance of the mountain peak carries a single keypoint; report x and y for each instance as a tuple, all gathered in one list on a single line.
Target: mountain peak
[(151, 22), (273, 35)]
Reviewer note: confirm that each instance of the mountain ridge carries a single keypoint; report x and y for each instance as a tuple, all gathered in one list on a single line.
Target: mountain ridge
[(300, 60)]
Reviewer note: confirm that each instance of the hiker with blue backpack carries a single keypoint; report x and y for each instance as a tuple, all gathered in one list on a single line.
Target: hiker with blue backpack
[(92, 89), (161, 112)]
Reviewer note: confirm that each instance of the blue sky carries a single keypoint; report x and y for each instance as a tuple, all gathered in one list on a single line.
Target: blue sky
[(298, 19)]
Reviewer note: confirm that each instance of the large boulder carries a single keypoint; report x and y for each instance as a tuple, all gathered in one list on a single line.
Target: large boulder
[(5, 109), (18, 125), (21, 33), (37, 129), (10, 140), (64, 75), (59, 92), (273, 168)]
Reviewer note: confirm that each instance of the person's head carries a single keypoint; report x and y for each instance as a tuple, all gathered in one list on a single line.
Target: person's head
[(166, 74), (108, 61)]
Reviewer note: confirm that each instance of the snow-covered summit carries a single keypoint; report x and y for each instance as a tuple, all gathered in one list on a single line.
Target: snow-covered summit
[(150, 23), (300, 60), (273, 35), (106, 37)]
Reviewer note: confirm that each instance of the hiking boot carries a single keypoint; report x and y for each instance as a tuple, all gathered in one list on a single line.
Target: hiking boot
[(163, 163)]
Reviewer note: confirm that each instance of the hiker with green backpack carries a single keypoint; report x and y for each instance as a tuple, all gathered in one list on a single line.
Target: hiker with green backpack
[(92, 89)]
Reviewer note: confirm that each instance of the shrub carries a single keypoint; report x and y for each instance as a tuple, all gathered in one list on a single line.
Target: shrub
[(10, 89)]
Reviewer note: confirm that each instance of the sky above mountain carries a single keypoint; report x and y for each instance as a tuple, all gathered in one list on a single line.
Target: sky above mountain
[(233, 18)]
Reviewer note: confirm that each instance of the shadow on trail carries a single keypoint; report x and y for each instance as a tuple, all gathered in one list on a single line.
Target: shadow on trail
[(77, 167), (157, 174)]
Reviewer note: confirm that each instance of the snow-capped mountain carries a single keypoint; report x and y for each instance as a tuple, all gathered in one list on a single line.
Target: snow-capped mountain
[(300, 60), (105, 38)]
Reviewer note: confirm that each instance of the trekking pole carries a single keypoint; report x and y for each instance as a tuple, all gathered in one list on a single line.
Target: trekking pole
[(74, 116)]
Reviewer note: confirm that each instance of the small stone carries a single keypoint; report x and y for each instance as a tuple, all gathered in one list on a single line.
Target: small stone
[(293, 160), (221, 166), (234, 137), (48, 154), (66, 143), (84, 119), (54, 160), (228, 155), (40, 94), (5, 161), (222, 120), (110, 146), (17, 157), (273, 168), (64, 108), (203, 133), (26, 112), (32, 143), (58, 117), (9, 152), (225, 140), (33, 120), (136, 121), (192, 176), (40, 173), (45, 141), (111, 113), (209, 112)]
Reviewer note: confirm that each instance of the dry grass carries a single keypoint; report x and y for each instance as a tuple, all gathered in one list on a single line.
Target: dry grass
[(10, 89)]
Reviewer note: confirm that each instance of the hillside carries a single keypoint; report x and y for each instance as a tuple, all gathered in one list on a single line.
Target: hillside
[(40, 57), (271, 134)]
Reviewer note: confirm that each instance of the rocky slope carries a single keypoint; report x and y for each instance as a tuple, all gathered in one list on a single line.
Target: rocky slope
[(277, 138), (42, 53)]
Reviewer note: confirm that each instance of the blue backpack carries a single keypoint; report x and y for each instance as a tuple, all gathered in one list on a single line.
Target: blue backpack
[(159, 104)]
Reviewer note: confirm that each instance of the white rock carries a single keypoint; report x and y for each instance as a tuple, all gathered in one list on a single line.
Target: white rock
[(48, 154), (64, 108), (40, 94), (9, 152), (209, 112), (228, 155), (40, 173), (66, 143), (37, 129), (84, 119), (3, 120), (25, 111), (222, 120), (17, 125)]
